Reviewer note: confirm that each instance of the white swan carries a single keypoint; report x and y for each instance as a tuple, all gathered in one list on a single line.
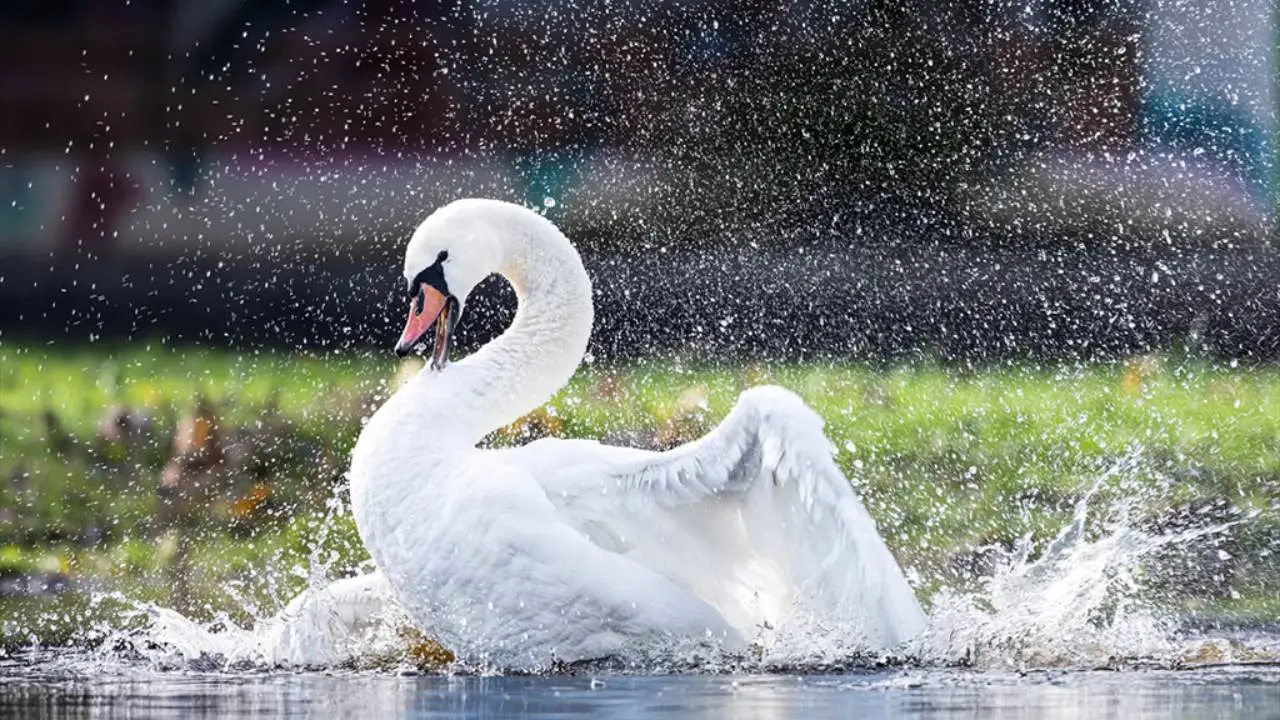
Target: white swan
[(565, 550)]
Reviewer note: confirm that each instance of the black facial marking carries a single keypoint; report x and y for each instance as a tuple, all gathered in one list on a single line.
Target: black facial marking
[(433, 276)]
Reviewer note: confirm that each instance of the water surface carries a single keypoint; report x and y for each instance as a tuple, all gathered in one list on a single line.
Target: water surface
[(53, 690)]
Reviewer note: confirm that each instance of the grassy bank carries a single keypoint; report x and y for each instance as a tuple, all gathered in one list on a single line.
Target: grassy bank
[(99, 494)]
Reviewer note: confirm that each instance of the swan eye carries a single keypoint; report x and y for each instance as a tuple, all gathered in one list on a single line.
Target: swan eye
[(444, 255)]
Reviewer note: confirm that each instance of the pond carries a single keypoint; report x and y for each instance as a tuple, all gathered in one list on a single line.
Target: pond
[(67, 689)]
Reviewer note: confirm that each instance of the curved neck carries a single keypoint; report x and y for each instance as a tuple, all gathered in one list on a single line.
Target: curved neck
[(538, 354)]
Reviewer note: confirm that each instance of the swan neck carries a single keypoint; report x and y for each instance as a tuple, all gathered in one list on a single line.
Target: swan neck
[(538, 354)]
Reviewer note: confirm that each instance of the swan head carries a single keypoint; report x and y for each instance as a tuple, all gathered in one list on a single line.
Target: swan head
[(448, 255)]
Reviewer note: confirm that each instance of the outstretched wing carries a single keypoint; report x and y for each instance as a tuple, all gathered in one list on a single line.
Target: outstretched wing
[(755, 518)]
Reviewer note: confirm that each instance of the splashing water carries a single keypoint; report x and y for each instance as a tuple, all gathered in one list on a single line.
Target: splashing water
[(332, 623), (324, 626), (1079, 604)]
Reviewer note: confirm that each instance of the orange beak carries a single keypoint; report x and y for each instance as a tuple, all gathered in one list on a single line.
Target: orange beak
[(424, 309)]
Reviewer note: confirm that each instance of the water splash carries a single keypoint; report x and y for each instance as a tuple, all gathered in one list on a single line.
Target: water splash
[(1081, 603), (345, 623), (348, 622)]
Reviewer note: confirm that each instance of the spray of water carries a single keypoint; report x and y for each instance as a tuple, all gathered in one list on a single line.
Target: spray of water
[(349, 622), (1079, 604)]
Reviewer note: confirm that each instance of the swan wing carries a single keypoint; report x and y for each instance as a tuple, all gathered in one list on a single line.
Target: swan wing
[(755, 518)]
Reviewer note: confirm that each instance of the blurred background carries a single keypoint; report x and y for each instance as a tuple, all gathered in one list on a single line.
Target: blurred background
[(1053, 177), (1009, 250)]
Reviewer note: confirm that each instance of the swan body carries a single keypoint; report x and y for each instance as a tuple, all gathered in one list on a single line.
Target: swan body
[(567, 550)]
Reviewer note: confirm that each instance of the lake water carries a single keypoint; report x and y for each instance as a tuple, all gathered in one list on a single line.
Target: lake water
[(53, 690)]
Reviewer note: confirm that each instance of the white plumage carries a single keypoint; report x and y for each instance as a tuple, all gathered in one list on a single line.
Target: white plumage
[(571, 550)]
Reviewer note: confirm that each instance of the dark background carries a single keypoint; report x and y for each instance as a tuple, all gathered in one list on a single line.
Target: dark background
[(780, 179)]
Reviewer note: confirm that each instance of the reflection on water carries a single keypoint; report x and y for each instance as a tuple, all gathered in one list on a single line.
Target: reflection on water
[(26, 691)]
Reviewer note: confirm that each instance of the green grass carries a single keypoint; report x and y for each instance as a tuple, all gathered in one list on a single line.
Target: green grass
[(947, 459)]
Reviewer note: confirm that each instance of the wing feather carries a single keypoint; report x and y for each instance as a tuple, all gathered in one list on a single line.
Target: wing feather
[(755, 518)]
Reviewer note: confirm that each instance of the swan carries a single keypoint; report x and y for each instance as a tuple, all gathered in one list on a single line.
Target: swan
[(568, 550)]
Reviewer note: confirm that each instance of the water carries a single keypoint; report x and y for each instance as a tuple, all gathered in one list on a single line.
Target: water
[(1223, 693)]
